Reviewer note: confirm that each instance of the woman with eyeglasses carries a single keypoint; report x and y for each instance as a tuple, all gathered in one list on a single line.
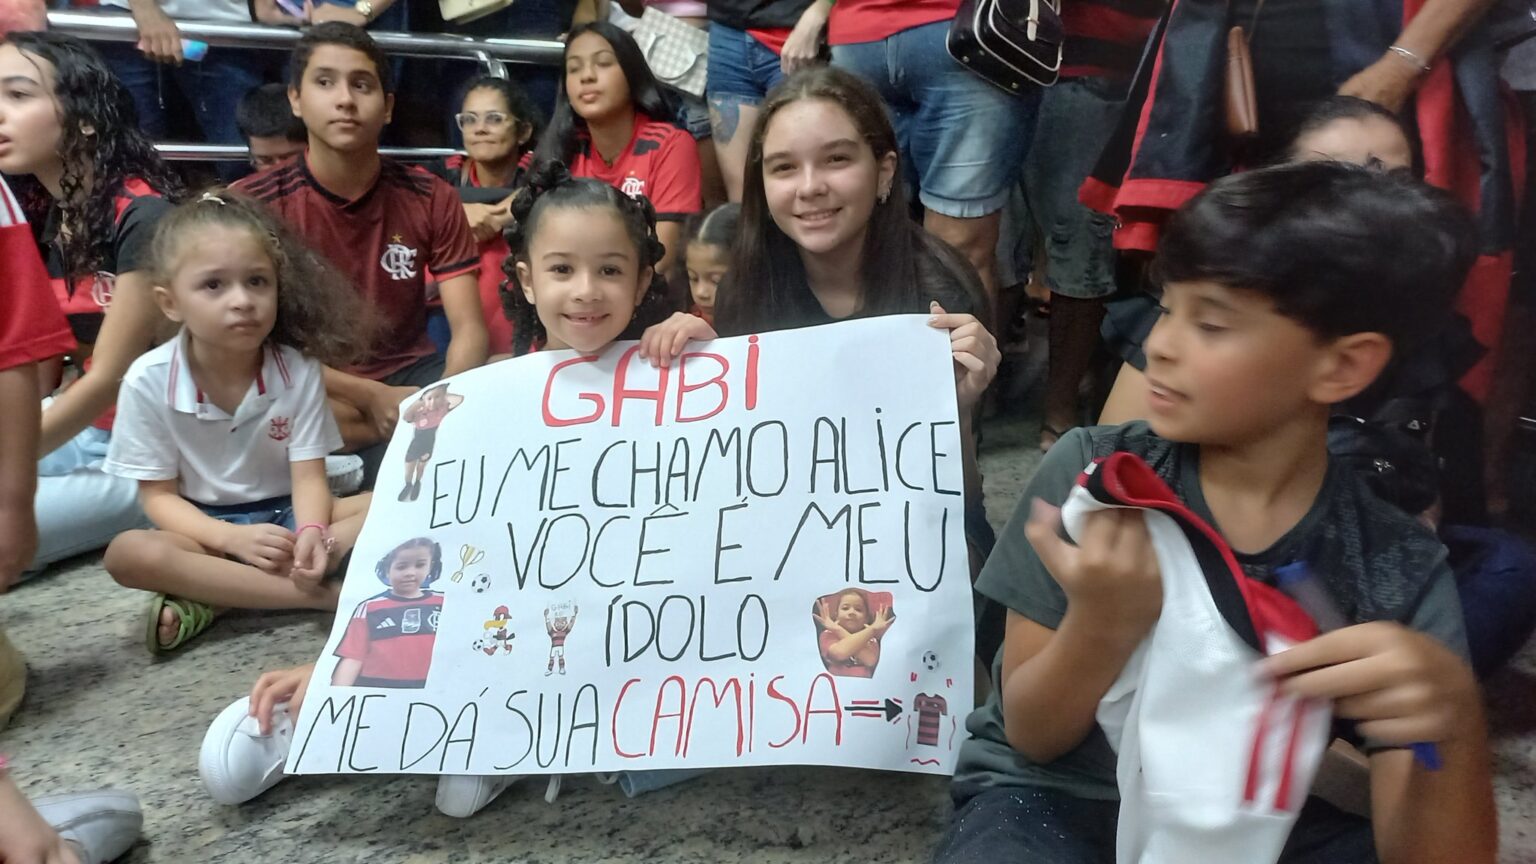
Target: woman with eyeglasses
[(499, 124)]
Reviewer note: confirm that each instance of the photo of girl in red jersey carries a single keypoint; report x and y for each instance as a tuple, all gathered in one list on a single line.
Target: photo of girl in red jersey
[(849, 627), (389, 640)]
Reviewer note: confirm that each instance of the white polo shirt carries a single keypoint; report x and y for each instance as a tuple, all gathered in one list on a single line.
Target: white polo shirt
[(232, 11), (167, 429)]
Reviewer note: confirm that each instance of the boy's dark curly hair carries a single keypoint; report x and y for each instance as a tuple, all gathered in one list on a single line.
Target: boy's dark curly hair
[(101, 146), (549, 185), (318, 311)]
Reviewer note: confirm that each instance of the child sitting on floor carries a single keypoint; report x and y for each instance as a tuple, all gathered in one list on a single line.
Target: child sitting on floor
[(1284, 292), (226, 427)]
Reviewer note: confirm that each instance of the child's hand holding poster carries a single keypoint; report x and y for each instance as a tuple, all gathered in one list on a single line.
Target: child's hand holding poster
[(596, 565)]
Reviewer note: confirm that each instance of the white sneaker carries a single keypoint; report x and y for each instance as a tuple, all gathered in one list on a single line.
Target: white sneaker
[(103, 824), (344, 473), (237, 762), (464, 795)]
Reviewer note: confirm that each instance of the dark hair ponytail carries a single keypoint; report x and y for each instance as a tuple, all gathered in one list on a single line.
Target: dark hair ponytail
[(550, 184)]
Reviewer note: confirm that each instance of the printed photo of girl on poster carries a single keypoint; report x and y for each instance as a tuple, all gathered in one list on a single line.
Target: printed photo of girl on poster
[(850, 625)]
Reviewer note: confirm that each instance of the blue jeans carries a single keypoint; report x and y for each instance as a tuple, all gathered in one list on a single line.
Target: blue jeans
[(741, 72), (268, 511), (963, 141), (80, 508), (1048, 826), (212, 86), (1077, 117)]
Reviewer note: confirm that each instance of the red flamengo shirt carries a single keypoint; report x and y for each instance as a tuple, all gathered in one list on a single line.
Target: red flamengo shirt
[(872, 20), (31, 326), (385, 241), (393, 636), (660, 162)]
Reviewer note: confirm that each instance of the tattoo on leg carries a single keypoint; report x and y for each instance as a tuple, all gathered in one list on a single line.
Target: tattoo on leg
[(724, 117)]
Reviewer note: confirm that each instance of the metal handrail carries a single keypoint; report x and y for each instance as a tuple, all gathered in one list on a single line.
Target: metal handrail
[(490, 52), (236, 153)]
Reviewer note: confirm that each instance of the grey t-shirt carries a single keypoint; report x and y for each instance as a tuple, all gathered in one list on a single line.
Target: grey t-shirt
[(1376, 562)]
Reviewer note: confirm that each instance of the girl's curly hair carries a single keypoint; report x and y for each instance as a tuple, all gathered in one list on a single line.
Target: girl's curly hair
[(318, 311), (100, 145), (550, 184)]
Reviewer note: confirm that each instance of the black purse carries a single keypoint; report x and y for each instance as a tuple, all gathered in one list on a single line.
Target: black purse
[(1012, 44)]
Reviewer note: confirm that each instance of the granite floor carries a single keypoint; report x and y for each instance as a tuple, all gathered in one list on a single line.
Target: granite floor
[(99, 712)]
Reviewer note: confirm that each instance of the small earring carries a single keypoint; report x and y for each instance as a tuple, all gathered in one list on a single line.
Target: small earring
[(884, 195)]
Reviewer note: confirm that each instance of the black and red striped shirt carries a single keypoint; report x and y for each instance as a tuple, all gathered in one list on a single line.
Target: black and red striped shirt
[(1105, 38)]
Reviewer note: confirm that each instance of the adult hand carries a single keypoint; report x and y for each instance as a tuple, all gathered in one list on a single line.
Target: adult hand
[(310, 556), (801, 49), (332, 12), (274, 688), (1402, 686), (661, 342), (269, 12), (268, 548), (159, 38), (488, 220), (975, 351), (383, 408), (1111, 575), (1388, 82), (24, 837)]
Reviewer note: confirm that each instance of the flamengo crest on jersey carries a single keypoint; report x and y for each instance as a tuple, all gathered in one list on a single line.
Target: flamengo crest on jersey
[(1213, 764)]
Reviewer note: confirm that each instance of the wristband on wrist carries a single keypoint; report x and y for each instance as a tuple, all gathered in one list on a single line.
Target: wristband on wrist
[(1409, 57), (325, 533)]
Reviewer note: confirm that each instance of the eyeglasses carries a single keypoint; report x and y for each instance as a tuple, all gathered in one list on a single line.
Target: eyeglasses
[(493, 119)]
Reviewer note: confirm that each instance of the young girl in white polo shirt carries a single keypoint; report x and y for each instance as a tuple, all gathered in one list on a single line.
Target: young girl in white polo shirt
[(583, 270), (226, 427)]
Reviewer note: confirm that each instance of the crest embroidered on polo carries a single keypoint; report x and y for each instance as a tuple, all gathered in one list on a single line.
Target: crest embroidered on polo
[(632, 186), (279, 428), (102, 285), (398, 260), (1213, 763)]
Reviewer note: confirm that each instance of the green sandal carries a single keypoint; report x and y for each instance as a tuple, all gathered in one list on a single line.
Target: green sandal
[(194, 618)]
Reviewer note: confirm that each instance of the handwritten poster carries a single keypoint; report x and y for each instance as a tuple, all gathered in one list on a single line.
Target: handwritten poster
[(576, 563)]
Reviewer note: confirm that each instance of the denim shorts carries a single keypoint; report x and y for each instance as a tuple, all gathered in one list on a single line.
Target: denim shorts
[(963, 140), (693, 113), (271, 511), (1077, 117), (741, 69)]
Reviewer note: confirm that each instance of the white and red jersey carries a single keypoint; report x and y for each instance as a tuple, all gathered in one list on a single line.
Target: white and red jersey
[(1213, 764)]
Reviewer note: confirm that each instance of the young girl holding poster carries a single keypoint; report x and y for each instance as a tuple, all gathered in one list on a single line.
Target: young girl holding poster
[(825, 236), (582, 275), (226, 427)]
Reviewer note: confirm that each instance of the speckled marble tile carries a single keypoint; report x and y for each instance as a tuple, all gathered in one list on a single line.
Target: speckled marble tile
[(100, 712)]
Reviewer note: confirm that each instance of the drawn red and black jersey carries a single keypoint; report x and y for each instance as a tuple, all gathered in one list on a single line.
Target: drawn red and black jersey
[(393, 636), (557, 638), (929, 709), (1213, 762)]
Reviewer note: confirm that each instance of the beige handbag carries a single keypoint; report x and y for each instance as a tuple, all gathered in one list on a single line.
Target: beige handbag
[(677, 52), (460, 11)]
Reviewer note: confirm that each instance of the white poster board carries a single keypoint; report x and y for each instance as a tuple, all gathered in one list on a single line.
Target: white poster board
[(607, 566)]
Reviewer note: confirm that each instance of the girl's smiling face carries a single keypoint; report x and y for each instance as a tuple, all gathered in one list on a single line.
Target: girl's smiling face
[(583, 276), (30, 116), (820, 178), (852, 614)]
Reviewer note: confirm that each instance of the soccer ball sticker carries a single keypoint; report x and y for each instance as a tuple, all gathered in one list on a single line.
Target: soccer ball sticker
[(481, 583), (930, 661)]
